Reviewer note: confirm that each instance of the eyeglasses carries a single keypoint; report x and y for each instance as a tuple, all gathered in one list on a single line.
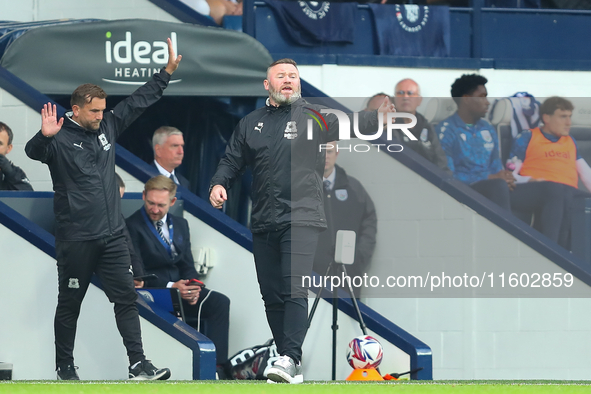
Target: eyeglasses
[(406, 92)]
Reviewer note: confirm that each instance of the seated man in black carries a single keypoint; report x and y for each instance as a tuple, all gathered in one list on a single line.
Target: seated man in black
[(163, 242), (11, 176), (407, 98)]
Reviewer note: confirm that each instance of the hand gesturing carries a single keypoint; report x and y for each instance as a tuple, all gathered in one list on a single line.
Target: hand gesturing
[(50, 126), (173, 60)]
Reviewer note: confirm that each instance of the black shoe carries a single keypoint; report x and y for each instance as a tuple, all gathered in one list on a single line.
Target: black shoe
[(67, 372), (145, 370)]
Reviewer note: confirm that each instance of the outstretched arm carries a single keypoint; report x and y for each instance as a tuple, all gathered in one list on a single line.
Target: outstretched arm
[(230, 167), (128, 110)]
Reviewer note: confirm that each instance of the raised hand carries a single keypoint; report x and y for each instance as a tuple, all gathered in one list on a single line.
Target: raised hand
[(173, 60), (50, 126), (387, 106)]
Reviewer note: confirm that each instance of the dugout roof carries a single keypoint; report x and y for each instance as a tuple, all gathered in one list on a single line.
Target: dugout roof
[(57, 56)]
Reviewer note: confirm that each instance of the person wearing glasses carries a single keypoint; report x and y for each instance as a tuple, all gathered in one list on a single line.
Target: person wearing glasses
[(407, 97)]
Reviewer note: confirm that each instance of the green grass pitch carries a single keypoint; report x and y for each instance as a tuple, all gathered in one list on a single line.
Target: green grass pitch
[(315, 387)]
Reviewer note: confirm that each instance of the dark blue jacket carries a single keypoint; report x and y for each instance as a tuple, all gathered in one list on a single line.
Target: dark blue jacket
[(155, 257)]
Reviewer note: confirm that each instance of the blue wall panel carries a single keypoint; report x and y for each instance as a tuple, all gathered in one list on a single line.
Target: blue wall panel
[(548, 36), (460, 33)]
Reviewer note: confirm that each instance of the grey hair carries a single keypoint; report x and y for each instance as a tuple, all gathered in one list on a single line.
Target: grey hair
[(162, 133)]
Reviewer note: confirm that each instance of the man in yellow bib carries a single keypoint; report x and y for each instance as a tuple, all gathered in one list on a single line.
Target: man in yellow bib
[(547, 171)]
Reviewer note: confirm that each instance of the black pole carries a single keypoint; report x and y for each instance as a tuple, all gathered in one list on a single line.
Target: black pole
[(354, 301), (318, 296), (335, 327)]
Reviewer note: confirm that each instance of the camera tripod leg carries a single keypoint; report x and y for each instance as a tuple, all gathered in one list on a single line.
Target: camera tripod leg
[(354, 301), (317, 299)]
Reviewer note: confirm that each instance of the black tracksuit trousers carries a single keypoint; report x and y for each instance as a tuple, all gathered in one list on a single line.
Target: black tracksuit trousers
[(282, 257), (76, 262)]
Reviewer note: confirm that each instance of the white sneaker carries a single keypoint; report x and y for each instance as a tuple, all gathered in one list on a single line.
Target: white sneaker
[(285, 370)]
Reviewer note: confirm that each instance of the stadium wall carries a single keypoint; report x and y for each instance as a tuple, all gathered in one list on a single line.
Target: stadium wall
[(473, 338), (29, 298)]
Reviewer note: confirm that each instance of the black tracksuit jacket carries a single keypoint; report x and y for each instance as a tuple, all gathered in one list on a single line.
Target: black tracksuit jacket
[(86, 202), (286, 166)]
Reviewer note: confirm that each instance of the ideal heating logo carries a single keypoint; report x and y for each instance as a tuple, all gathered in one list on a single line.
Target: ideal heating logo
[(150, 58), (344, 125)]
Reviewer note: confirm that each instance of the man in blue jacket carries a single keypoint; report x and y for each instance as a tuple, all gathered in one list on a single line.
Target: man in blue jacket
[(80, 152)]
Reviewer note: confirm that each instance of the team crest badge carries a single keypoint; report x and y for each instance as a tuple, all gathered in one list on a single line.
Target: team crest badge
[(315, 9), (412, 17), (73, 283), (103, 140), (424, 135), (486, 135), (341, 194), (291, 131)]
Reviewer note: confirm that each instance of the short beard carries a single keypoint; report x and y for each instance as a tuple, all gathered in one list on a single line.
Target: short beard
[(91, 126), (281, 99)]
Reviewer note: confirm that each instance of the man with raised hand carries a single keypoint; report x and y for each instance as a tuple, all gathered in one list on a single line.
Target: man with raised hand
[(80, 152)]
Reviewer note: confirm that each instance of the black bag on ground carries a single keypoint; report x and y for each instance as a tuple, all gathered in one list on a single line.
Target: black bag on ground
[(252, 363)]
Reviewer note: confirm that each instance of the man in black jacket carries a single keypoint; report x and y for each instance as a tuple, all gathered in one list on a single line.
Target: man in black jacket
[(163, 242), (348, 207), (287, 164), (407, 97), (11, 176), (79, 150)]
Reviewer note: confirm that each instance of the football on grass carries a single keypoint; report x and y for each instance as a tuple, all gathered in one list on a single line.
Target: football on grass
[(364, 352)]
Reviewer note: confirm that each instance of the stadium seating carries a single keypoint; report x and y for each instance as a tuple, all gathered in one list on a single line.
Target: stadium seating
[(500, 117)]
